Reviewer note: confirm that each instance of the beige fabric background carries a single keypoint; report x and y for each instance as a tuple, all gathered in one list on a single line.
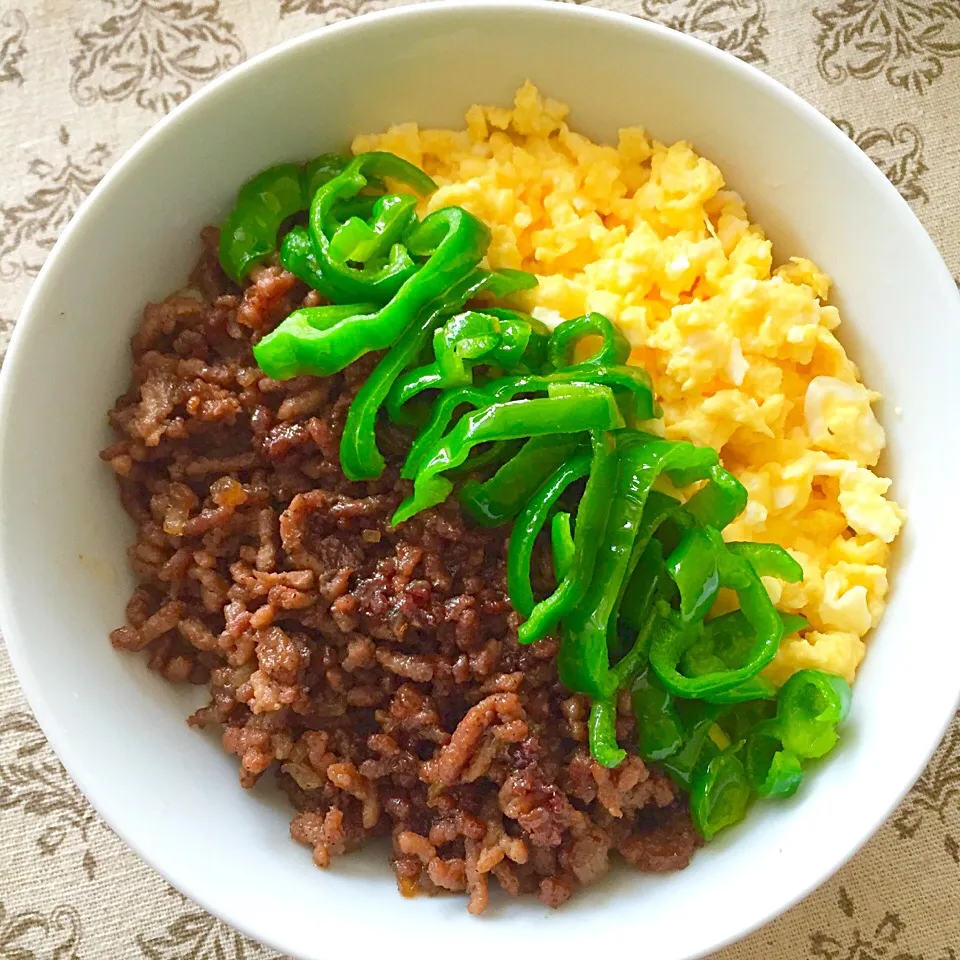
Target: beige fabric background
[(81, 80)]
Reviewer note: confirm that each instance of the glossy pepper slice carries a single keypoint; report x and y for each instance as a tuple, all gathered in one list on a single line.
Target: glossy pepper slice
[(588, 533), (584, 658), (602, 733), (572, 336), (357, 241), (249, 234), (530, 522), (719, 795), (632, 385), (696, 750), (726, 644), (492, 337), (810, 706), (459, 242), (772, 770), (573, 409), (658, 724), (359, 455), (587, 630), (501, 498), (377, 281), (561, 543), (672, 635)]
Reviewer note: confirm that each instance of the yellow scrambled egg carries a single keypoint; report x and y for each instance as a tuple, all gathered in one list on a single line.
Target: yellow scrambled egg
[(743, 355)]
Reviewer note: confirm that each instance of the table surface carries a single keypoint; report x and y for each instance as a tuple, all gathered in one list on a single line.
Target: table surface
[(73, 83)]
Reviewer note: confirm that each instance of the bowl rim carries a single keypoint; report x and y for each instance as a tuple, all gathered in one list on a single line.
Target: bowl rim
[(98, 795)]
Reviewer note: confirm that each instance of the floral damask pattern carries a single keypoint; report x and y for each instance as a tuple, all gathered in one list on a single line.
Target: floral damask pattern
[(934, 797), (13, 31), (907, 41), (32, 935), (897, 152), (35, 786), (155, 52), (330, 10), (737, 26), (199, 936), (54, 188), (885, 937)]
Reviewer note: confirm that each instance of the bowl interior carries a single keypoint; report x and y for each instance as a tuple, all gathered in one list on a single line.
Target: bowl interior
[(172, 793)]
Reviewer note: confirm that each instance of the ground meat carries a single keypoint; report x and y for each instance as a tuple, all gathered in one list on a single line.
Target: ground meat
[(374, 671)]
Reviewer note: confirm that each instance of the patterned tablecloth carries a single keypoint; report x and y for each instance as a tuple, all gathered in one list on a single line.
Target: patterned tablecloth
[(81, 80)]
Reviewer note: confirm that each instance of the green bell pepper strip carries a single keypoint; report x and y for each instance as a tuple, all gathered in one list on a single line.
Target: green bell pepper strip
[(433, 431), (297, 255), (589, 626), (772, 770), (602, 734), (614, 348), (500, 498), (588, 533), (481, 460), (719, 795), (694, 569), (378, 281), (561, 540), (658, 724), (359, 455), (293, 353), (739, 719), (719, 502), (697, 719), (357, 241), (810, 706), (726, 644), (528, 525), (249, 234), (672, 637), (570, 409), (506, 282), (769, 560), (460, 242), (494, 337), (637, 612), (632, 384), (319, 171)]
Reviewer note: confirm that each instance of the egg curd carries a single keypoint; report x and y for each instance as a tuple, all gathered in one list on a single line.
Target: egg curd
[(743, 355)]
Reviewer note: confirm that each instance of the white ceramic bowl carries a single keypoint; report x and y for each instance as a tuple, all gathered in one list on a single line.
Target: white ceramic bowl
[(171, 793)]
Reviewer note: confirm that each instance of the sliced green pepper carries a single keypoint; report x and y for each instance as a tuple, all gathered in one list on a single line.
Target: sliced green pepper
[(588, 533), (632, 384), (561, 539), (500, 498), (672, 637), (530, 522), (810, 706), (613, 350), (249, 234), (697, 748), (719, 795), (458, 241), (658, 724), (570, 409), (602, 731), (772, 770), (492, 337), (334, 242)]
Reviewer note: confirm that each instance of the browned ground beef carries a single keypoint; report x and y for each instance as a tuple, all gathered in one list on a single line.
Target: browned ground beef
[(374, 670)]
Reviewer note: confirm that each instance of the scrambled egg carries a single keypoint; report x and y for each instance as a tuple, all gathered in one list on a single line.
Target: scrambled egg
[(743, 355)]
